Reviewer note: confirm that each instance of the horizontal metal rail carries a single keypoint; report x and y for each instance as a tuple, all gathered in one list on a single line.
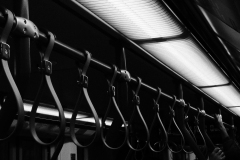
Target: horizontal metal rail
[(72, 53)]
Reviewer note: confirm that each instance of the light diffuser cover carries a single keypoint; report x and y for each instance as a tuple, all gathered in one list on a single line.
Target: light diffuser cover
[(235, 110), (189, 60), (226, 95), (136, 19)]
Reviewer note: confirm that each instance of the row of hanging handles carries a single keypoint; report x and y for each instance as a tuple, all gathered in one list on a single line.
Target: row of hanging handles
[(46, 71)]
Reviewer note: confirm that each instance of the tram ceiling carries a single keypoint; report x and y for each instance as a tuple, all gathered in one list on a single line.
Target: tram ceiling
[(161, 37)]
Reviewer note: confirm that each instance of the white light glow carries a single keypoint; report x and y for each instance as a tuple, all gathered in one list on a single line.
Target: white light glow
[(92, 120), (53, 112), (226, 95), (137, 19), (50, 111), (235, 110), (187, 59)]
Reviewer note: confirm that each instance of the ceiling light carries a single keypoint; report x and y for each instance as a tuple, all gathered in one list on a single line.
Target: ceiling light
[(226, 95), (235, 110), (189, 60), (137, 19)]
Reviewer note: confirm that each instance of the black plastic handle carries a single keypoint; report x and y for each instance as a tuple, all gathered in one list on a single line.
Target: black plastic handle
[(209, 143), (204, 149), (136, 103), (181, 122), (46, 71), (188, 128), (113, 100), (172, 113), (83, 86), (5, 55), (157, 118)]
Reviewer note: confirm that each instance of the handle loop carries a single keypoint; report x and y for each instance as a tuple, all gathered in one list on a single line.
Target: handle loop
[(157, 117), (83, 88), (136, 103), (46, 70), (204, 148), (5, 56), (172, 114), (113, 100), (188, 127)]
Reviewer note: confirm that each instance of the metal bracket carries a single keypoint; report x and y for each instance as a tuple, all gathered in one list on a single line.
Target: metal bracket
[(5, 51), (26, 28), (202, 113), (112, 91), (136, 100), (84, 81), (124, 74), (47, 67)]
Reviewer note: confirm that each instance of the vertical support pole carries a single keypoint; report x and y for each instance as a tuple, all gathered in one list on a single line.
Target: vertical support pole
[(22, 59), (22, 69)]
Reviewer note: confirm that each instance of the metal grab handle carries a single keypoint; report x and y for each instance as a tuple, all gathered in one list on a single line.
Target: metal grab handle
[(169, 128), (83, 86), (197, 126), (157, 117), (5, 55), (181, 122), (136, 103), (112, 100), (209, 143)]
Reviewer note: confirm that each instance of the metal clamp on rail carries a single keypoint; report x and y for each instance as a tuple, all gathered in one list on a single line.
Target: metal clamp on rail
[(172, 114), (125, 75), (83, 88), (46, 70), (157, 117), (5, 56), (113, 100), (136, 103), (204, 148)]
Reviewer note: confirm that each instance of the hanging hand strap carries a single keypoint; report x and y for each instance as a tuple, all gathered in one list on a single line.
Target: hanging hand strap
[(157, 117), (136, 103), (46, 71), (172, 114), (84, 85), (113, 100), (188, 128), (5, 56), (204, 148)]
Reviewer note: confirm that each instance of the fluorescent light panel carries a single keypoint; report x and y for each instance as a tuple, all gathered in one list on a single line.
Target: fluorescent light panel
[(189, 60), (226, 95), (236, 110), (137, 19)]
